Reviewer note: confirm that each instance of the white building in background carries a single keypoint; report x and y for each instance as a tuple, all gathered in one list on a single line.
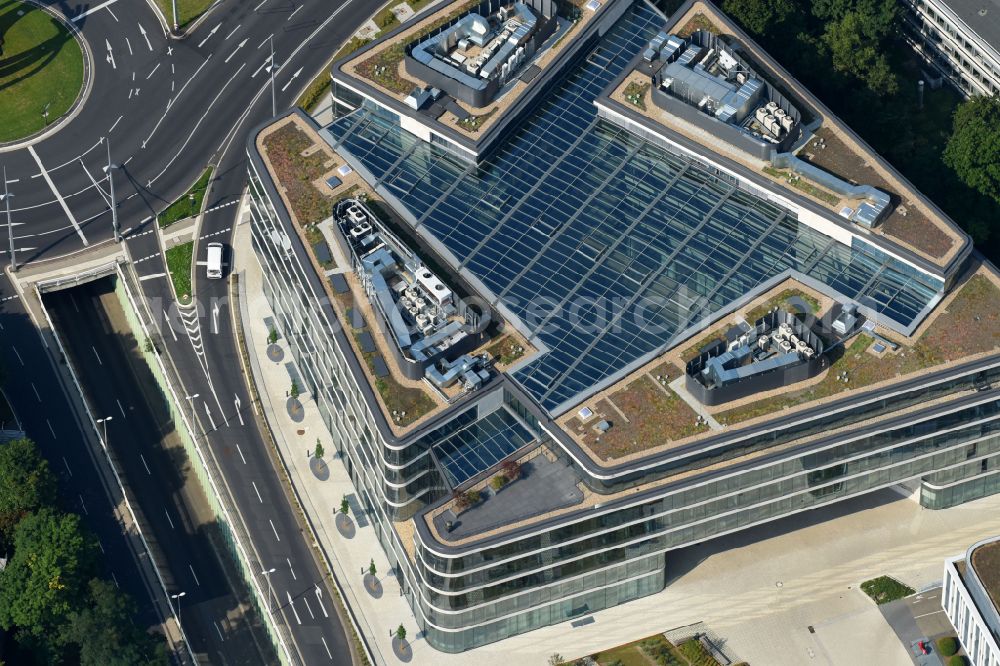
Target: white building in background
[(970, 596), (960, 38)]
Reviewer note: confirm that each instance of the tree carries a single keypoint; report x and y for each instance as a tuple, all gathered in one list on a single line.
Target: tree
[(761, 17), (105, 633), (371, 568), (345, 506), (947, 646), (26, 483), (319, 449), (47, 576), (401, 633), (858, 54), (973, 150), (272, 337), (555, 659), (294, 391)]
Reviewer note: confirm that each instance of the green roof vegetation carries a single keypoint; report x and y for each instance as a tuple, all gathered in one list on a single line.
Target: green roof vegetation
[(644, 414), (189, 204), (42, 71), (295, 172), (969, 325)]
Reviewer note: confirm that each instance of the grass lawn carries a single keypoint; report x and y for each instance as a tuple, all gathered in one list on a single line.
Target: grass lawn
[(885, 589), (179, 264), (187, 10), (42, 64), (189, 204)]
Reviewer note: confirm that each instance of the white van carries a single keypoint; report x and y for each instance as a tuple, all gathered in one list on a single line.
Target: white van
[(214, 261)]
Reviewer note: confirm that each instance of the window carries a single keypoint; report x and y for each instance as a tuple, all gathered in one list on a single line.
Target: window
[(984, 465)]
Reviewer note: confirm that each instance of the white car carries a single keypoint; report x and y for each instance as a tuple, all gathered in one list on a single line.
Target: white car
[(214, 261)]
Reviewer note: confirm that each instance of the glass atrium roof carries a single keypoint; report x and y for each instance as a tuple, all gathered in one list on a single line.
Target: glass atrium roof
[(604, 245), (480, 445)]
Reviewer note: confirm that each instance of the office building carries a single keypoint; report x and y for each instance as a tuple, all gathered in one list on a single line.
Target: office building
[(971, 599), (682, 335)]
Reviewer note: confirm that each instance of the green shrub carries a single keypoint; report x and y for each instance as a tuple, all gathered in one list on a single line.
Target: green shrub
[(957, 660), (947, 646), (498, 482)]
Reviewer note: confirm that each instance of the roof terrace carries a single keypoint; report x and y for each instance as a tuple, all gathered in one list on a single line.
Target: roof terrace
[(461, 67)]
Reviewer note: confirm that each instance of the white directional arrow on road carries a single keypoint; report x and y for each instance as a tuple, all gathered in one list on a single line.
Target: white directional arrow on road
[(294, 76), (111, 55), (145, 36), (238, 47), (237, 403), (210, 33), (319, 598)]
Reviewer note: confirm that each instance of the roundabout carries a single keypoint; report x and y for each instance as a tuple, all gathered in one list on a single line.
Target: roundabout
[(44, 70)]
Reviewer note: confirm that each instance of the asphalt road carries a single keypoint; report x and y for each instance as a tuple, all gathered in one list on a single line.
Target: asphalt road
[(167, 108), (150, 456)]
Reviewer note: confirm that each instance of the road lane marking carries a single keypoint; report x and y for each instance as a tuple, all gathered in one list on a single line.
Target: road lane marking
[(94, 349), (266, 40), (146, 37), (129, 45), (19, 360), (36, 392), (209, 414), (257, 491), (66, 462), (221, 637), (236, 50), (62, 202), (941, 610), (120, 408), (274, 530), (292, 605), (99, 7), (150, 75), (241, 454), (50, 429), (327, 648), (152, 276), (319, 600), (294, 577), (233, 31), (83, 504), (197, 582), (115, 578), (294, 12), (306, 602), (262, 3), (168, 519), (143, 459), (209, 35), (257, 71)]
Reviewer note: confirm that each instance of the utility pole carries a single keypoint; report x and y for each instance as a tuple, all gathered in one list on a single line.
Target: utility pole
[(267, 574), (173, 5), (10, 227), (114, 203), (274, 66)]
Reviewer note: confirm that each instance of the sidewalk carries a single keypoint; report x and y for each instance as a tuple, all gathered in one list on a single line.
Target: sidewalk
[(781, 594)]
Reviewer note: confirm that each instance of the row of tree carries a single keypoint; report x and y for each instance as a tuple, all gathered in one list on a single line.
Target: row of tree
[(51, 595)]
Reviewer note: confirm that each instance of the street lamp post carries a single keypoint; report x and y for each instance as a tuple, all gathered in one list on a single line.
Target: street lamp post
[(114, 204), (10, 227), (177, 609), (173, 6), (104, 428), (190, 399), (267, 574)]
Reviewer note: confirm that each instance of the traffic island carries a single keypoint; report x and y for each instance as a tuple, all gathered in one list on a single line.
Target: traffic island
[(43, 68)]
